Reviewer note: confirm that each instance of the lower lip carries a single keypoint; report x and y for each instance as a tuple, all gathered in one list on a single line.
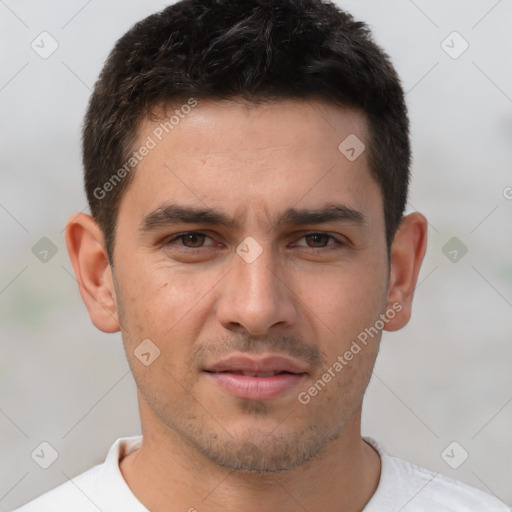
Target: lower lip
[(256, 388)]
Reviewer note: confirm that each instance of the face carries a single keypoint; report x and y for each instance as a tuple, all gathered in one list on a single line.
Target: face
[(250, 252)]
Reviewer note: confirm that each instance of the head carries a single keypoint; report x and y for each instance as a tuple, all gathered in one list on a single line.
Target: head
[(276, 132)]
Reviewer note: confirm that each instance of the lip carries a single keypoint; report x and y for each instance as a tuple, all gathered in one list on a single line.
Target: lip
[(256, 388), (262, 364)]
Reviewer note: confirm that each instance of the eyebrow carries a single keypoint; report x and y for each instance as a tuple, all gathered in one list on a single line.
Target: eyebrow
[(169, 214)]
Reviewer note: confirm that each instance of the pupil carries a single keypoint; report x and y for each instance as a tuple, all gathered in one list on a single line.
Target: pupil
[(191, 238), (316, 238)]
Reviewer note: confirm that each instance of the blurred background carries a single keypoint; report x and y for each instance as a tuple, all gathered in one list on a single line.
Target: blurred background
[(441, 394)]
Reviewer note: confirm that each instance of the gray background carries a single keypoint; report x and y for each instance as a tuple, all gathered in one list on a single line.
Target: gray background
[(445, 377)]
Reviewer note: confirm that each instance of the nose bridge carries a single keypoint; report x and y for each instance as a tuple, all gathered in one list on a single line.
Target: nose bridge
[(254, 272), (254, 297)]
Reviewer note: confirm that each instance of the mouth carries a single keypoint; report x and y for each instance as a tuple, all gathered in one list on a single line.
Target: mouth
[(249, 378), (253, 374)]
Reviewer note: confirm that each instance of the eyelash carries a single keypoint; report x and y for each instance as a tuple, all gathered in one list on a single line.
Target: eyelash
[(195, 250)]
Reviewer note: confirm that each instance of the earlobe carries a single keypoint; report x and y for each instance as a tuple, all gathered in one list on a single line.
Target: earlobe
[(86, 248), (407, 253)]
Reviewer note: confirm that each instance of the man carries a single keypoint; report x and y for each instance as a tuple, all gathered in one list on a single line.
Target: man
[(247, 166)]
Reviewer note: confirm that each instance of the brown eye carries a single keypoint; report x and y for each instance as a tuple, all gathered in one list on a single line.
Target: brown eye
[(318, 239), (193, 240), (189, 241)]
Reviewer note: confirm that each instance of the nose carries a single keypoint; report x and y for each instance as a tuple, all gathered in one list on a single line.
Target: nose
[(256, 296)]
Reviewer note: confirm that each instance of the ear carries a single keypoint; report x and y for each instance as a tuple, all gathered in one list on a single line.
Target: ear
[(86, 248), (407, 252)]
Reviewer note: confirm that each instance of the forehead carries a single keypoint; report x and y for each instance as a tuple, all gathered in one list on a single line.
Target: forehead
[(240, 126), (241, 157)]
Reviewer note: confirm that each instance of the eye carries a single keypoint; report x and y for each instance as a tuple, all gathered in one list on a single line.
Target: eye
[(320, 240), (192, 240)]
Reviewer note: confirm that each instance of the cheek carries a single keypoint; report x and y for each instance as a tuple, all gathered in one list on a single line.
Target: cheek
[(346, 300), (166, 306), (156, 297), (159, 306)]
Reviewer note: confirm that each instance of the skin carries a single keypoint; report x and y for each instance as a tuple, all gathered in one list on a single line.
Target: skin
[(304, 297)]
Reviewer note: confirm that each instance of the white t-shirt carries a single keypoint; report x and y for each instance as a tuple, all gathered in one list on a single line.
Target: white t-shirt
[(402, 487)]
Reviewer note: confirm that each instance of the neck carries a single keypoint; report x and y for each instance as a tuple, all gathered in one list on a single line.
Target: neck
[(167, 470)]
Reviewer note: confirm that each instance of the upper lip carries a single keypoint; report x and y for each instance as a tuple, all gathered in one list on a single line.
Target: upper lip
[(257, 365)]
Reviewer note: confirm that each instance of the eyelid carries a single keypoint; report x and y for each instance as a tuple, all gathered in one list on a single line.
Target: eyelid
[(173, 238), (337, 241)]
